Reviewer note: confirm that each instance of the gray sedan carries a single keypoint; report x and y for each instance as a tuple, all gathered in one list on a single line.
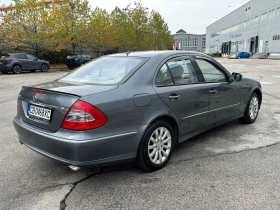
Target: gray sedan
[(132, 107)]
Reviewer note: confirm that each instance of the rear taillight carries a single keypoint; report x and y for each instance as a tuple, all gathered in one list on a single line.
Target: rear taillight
[(83, 116), (8, 60), (18, 110)]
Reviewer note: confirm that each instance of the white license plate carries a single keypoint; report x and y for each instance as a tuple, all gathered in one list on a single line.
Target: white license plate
[(39, 112)]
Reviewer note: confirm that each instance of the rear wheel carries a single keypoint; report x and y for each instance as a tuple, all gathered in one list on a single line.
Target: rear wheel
[(17, 69), (252, 110), (156, 147), (44, 67)]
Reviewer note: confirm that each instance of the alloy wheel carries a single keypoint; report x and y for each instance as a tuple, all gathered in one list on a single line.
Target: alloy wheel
[(159, 145), (254, 108), (45, 67), (17, 69)]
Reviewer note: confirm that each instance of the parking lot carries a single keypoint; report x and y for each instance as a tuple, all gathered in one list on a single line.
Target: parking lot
[(234, 166)]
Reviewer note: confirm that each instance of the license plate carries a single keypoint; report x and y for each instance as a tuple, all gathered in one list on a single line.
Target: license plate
[(0, 63), (39, 112)]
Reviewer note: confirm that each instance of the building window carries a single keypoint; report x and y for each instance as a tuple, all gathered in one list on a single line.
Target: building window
[(276, 37)]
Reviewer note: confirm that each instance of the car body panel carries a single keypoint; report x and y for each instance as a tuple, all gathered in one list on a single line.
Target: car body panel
[(131, 107)]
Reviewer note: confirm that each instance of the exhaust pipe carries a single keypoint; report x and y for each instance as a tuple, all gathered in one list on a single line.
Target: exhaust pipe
[(74, 168)]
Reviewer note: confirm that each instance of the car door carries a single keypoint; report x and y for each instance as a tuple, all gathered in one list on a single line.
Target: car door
[(179, 86), (23, 61), (33, 63), (225, 93)]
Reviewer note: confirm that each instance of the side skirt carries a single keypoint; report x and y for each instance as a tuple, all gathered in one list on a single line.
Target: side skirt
[(195, 133)]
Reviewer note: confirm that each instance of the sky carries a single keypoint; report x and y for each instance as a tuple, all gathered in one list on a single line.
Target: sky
[(193, 16)]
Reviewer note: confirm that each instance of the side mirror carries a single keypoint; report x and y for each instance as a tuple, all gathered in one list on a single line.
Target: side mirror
[(237, 77), (36, 59)]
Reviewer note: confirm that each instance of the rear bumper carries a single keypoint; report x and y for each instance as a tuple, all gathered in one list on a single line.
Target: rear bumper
[(108, 150), (5, 68)]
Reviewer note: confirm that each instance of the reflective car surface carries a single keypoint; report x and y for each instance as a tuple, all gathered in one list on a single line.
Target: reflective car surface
[(132, 107)]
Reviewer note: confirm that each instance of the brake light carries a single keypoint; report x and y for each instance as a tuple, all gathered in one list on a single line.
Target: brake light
[(38, 91), (8, 59), (83, 116), (18, 110)]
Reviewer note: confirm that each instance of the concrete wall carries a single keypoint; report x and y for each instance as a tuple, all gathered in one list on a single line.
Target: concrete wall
[(256, 18)]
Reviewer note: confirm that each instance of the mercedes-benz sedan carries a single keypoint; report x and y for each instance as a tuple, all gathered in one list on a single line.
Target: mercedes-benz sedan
[(132, 107)]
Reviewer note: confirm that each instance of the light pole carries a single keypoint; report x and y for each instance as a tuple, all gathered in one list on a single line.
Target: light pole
[(232, 7)]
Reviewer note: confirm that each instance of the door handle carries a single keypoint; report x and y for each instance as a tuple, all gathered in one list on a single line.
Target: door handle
[(174, 97), (213, 91)]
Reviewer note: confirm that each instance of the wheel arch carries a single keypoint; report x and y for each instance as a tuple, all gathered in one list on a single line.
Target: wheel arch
[(259, 93), (17, 64), (170, 119)]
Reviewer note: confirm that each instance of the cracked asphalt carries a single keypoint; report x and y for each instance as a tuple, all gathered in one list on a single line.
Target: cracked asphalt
[(234, 166)]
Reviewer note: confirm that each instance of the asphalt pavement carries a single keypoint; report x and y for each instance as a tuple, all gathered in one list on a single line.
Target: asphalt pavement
[(234, 166)]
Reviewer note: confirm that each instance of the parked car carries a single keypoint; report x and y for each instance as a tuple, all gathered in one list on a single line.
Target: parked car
[(132, 107), (243, 55), (73, 61), (18, 62)]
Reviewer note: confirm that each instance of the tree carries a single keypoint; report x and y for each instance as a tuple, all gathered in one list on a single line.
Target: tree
[(160, 37), (103, 34), (138, 16), (25, 26), (69, 24)]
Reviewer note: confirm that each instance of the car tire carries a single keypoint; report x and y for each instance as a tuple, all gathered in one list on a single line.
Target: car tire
[(70, 67), (156, 147), (17, 69), (252, 110), (44, 68)]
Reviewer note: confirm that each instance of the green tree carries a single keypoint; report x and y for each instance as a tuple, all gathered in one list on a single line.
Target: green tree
[(26, 26), (103, 33), (159, 35), (69, 24)]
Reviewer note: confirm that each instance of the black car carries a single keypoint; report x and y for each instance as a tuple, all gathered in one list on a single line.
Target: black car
[(73, 61), (18, 62)]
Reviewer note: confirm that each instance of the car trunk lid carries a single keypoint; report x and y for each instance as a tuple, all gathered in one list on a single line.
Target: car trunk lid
[(46, 105)]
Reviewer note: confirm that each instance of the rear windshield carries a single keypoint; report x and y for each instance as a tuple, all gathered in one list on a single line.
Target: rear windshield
[(4, 56), (106, 70)]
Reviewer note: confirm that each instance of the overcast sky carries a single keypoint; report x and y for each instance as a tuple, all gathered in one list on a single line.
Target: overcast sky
[(191, 15)]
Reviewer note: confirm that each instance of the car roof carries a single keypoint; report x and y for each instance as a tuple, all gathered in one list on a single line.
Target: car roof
[(151, 54)]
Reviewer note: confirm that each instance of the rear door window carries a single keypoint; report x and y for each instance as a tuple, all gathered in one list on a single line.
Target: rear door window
[(183, 72), (163, 77), (105, 70), (30, 57), (21, 56)]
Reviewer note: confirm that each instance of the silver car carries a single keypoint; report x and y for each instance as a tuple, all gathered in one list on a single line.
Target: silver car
[(132, 107)]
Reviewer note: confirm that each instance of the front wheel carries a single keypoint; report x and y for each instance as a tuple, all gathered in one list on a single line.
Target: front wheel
[(156, 147), (252, 110)]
